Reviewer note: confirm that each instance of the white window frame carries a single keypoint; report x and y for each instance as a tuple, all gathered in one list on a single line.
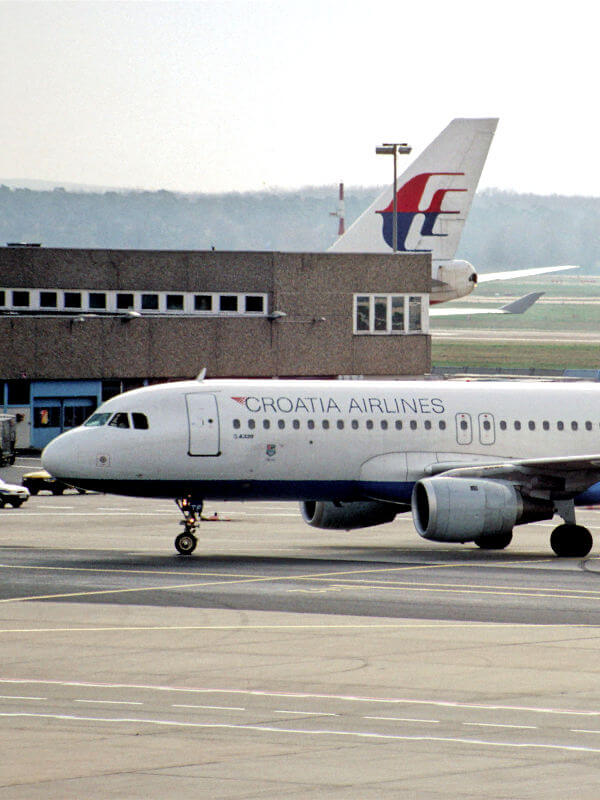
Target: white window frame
[(188, 309), (389, 331)]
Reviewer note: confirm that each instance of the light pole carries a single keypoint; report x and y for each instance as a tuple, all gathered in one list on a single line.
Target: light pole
[(394, 149)]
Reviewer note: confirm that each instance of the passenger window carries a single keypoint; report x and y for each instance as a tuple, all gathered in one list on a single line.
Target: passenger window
[(413, 424), (384, 425), (398, 424), (463, 425), (517, 425), (281, 423), (140, 421), (340, 424), (574, 426), (369, 424), (560, 426), (546, 425), (355, 424), (236, 423), (442, 425), (120, 420), (251, 424), (427, 424), (325, 424), (266, 424), (531, 425), (310, 424), (588, 426), (502, 425), (295, 424)]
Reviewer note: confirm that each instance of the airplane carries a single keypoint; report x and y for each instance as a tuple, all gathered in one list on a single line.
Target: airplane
[(433, 199), (471, 460)]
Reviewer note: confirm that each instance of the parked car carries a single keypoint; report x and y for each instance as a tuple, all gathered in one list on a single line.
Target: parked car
[(13, 495), (41, 479)]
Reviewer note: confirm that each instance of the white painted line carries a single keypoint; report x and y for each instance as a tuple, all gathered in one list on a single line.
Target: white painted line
[(300, 732), (306, 713), (498, 725), (405, 719), (16, 697), (215, 708), (111, 702)]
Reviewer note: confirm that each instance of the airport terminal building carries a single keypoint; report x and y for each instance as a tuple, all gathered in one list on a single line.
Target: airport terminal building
[(78, 326)]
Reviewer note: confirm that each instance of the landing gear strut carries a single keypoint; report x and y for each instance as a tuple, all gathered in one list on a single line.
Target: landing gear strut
[(186, 542), (570, 540)]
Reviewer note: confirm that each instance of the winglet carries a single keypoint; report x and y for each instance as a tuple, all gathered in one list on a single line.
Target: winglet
[(522, 304)]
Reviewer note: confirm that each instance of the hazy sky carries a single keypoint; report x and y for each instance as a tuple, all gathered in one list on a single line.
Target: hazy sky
[(254, 94)]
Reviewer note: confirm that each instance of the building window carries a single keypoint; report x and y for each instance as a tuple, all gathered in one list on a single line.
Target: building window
[(72, 299), (20, 298), (2, 298), (202, 302), (390, 314), (124, 301), (149, 302), (48, 300), (174, 302), (228, 302), (97, 300), (254, 304)]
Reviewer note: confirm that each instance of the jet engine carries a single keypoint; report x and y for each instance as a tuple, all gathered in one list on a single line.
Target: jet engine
[(466, 510), (347, 516)]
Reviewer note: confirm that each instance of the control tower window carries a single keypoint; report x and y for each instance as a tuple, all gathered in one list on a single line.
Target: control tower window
[(202, 302), (228, 302), (20, 298), (72, 299), (254, 303)]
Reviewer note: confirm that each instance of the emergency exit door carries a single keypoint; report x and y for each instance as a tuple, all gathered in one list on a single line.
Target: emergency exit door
[(203, 424)]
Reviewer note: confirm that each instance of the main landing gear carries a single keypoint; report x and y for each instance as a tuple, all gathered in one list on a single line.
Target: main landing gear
[(570, 540), (186, 542)]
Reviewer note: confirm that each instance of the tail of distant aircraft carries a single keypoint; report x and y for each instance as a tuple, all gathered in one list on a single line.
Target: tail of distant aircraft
[(434, 196)]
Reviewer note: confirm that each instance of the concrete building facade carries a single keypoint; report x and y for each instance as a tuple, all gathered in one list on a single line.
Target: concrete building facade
[(78, 326)]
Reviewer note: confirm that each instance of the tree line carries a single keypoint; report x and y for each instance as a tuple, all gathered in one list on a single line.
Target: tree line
[(504, 229)]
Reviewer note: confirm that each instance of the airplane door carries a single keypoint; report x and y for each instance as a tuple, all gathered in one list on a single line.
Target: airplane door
[(487, 429), (464, 429), (203, 422)]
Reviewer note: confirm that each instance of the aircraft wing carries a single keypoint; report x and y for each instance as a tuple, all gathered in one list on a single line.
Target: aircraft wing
[(515, 307), (561, 476), (507, 275)]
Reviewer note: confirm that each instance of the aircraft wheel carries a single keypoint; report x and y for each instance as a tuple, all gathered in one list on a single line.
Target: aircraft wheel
[(185, 543), (56, 490), (495, 541), (2, 502), (571, 541), (15, 503)]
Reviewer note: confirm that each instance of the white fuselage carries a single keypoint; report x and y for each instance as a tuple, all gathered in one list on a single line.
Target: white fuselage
[(319, 440)]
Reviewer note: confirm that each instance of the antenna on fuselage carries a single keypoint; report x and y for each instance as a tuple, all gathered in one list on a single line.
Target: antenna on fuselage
[(201, 375)]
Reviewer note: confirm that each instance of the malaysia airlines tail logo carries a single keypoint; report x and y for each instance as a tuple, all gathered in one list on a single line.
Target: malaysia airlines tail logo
[(408, 202)]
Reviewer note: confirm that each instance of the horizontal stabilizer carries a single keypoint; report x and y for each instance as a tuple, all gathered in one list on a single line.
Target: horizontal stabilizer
[(516, 307)]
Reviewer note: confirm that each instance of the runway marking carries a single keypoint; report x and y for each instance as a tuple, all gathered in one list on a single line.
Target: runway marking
[(406, 719), (307, 696), (214, 708), (17, 697), (110, 702), (302, 732), (498, 725), (306, 713)]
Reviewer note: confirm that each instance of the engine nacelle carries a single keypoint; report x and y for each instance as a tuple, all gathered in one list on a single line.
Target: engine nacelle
[(462, 509), (347, 516)]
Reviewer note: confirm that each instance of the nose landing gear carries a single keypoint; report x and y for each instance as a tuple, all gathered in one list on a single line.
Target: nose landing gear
[(186, 542)]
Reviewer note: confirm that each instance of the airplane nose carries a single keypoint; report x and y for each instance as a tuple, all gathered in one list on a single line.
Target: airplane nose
[(60, 456)]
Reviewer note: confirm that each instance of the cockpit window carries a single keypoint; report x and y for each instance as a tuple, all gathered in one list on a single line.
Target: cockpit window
[(96, 420), (140, 421), (120, 420)]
